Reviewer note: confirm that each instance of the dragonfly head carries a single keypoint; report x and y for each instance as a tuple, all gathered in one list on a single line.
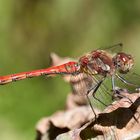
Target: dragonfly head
[(123, 62)]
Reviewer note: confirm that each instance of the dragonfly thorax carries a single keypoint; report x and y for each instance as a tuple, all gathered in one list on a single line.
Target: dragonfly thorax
[(97, 62)]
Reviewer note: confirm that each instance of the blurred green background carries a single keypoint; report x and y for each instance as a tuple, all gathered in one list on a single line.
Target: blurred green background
[(31, 29)]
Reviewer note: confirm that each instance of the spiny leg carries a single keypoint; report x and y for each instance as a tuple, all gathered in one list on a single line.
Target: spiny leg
[(91, 106), (125, 81), (137, 89), (95, 88), (116, 91), (103, 89)]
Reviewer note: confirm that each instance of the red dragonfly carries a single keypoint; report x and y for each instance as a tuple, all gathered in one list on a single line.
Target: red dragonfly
[(98, 62)]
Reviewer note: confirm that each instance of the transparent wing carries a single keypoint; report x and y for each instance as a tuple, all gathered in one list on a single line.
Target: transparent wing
[(116, 48)]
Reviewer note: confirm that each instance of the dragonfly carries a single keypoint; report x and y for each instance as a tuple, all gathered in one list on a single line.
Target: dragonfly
[(108, 62)]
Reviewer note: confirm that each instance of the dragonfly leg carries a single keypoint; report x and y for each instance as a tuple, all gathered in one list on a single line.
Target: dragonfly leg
[(129, 83), (94, 89), (117, 92), (125, 81), (91, 107), (104, 87), (89, 101)]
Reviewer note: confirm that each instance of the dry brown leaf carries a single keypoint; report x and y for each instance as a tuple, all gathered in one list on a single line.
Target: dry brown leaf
[(119, 121), (63, 121)]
